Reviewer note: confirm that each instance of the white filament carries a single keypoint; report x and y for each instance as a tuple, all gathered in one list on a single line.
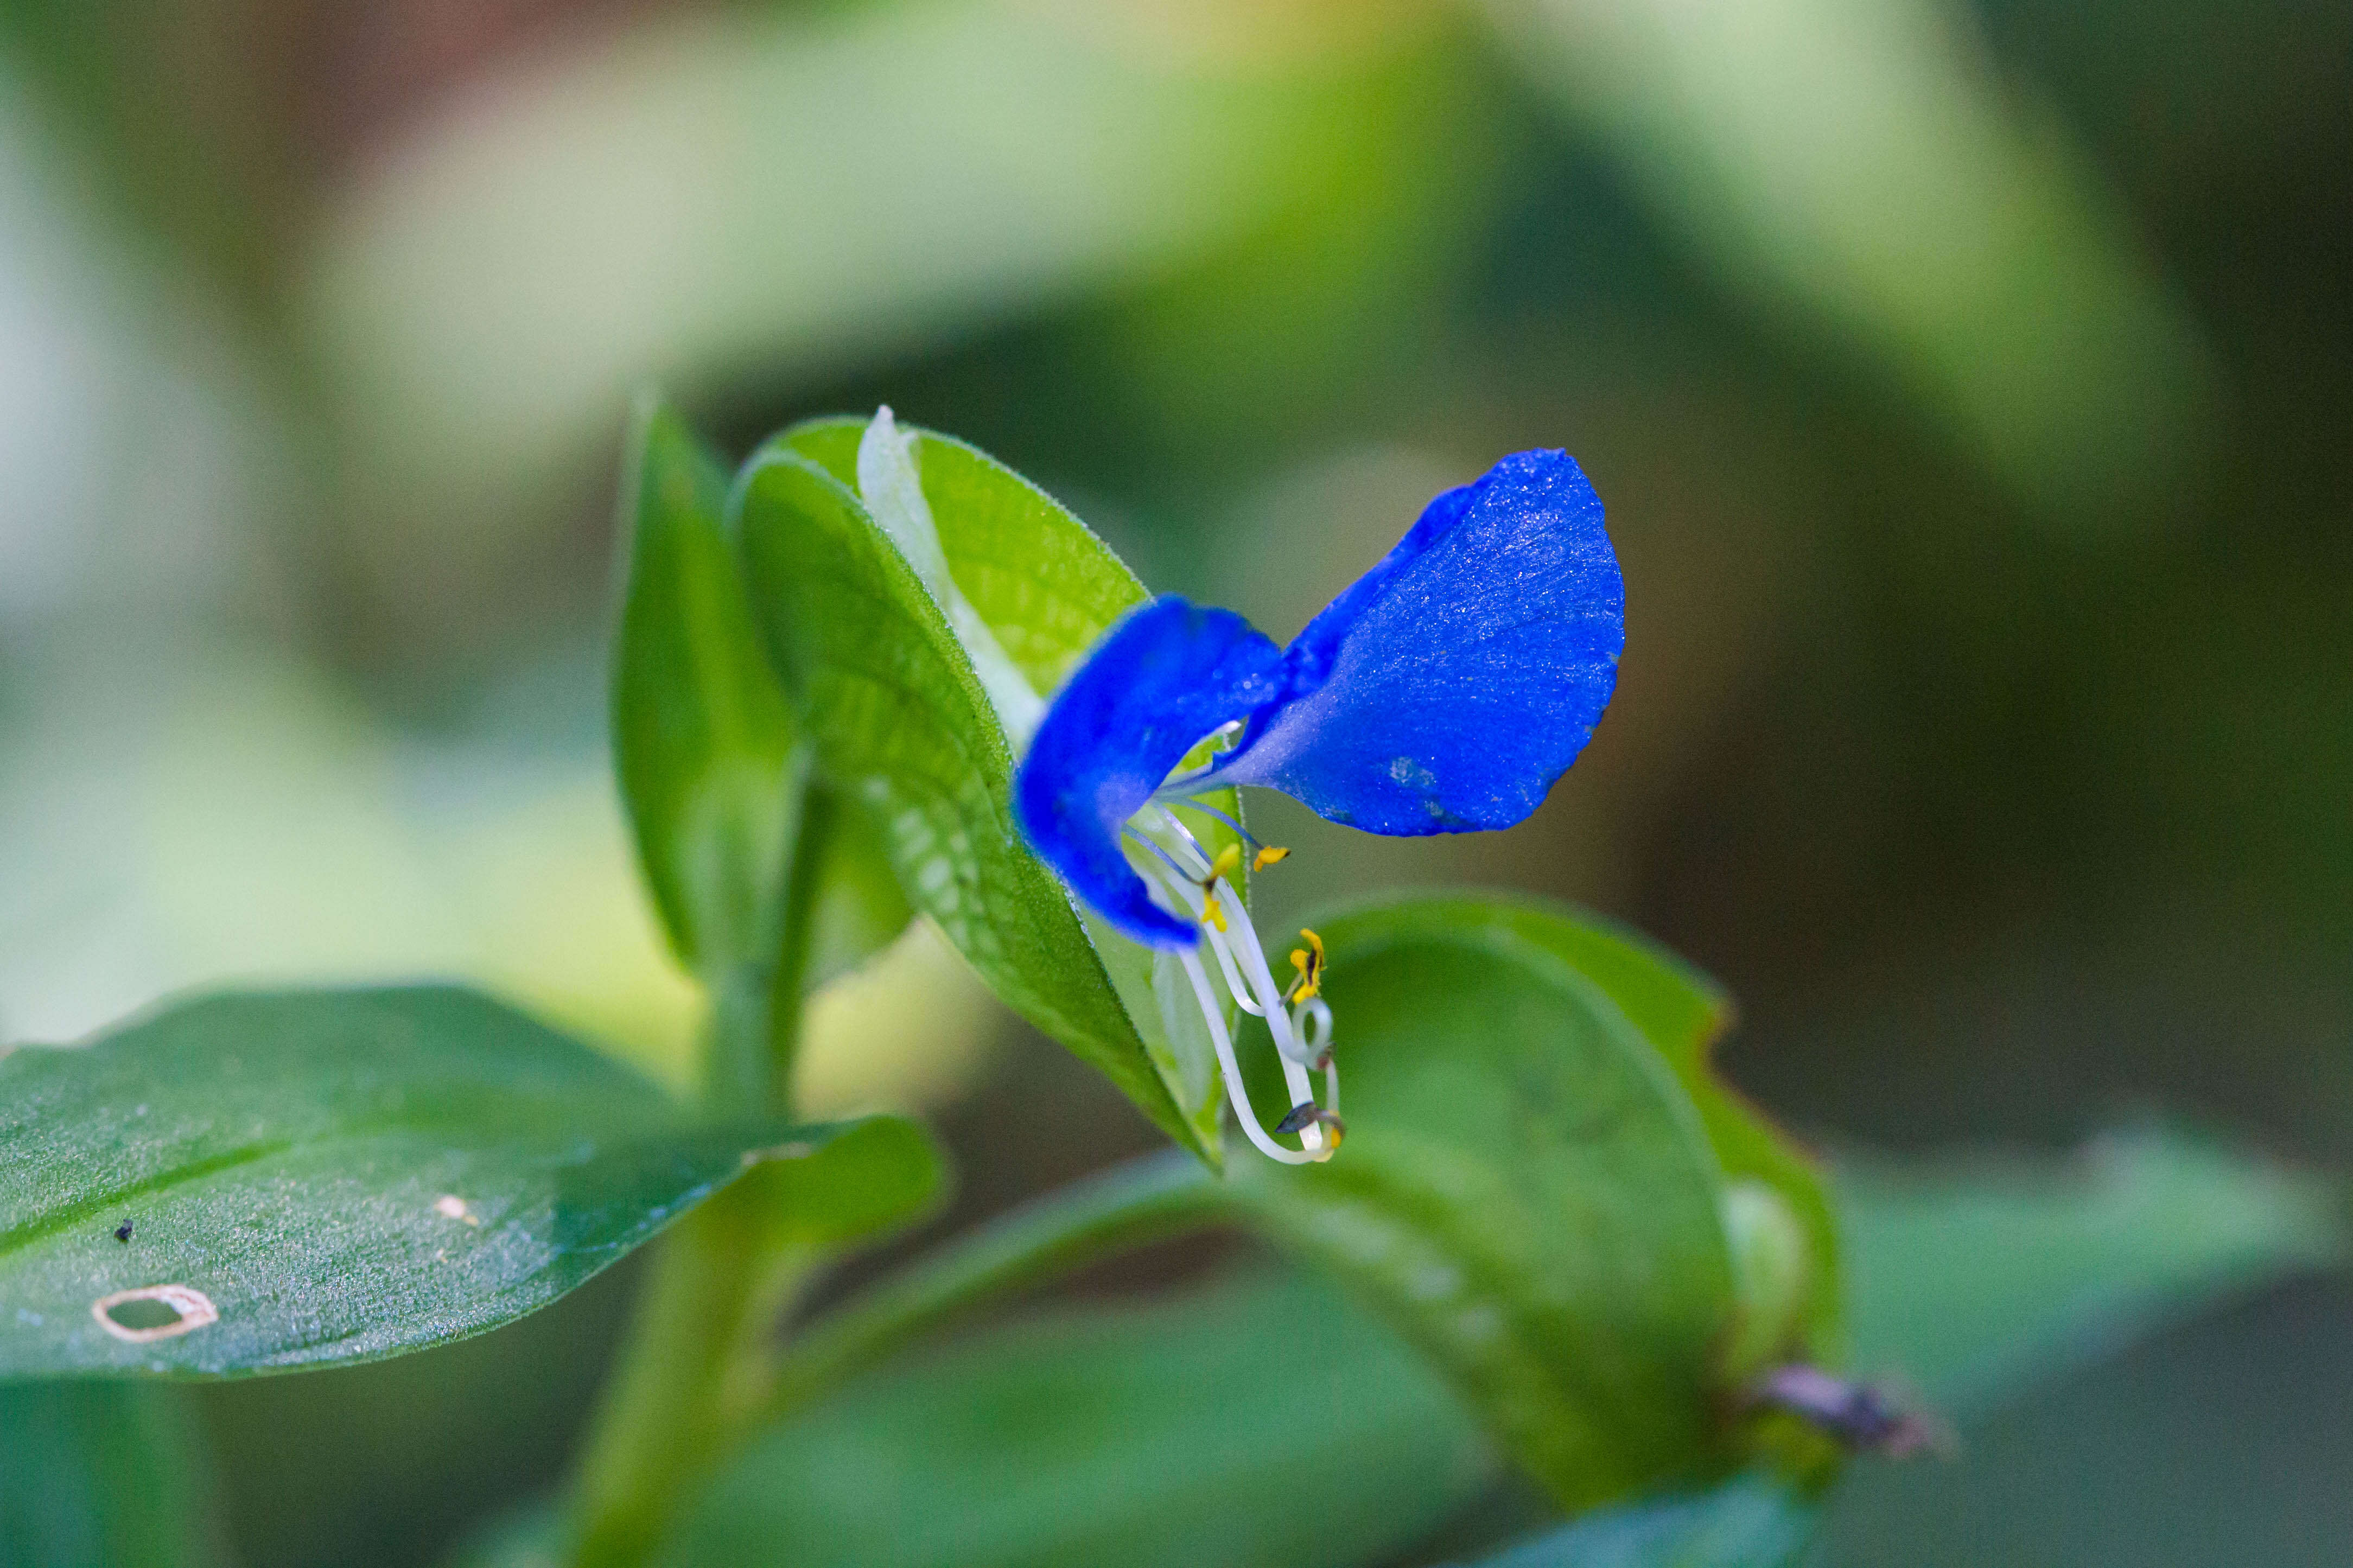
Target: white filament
[(1254, 966), (1234, 1090), (1242, 995), (1198, 903), (1301, 1040), (1318, 1012)]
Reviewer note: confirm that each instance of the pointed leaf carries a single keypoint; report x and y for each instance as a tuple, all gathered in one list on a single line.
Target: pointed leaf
[(249, 1183), (1526, 1191), (704, 740)]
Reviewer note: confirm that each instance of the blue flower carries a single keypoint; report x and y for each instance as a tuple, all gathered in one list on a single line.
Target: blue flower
[(1443, 692)]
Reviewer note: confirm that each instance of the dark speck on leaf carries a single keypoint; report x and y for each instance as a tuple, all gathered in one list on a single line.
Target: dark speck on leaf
[(122, 1231)]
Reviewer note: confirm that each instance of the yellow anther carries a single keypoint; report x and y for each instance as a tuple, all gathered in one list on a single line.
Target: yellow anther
[(1228, 860), (1309, 962), (1267, 855)]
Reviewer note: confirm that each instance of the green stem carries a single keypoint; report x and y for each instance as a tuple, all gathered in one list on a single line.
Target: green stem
[(820, 823), (697, 1375), (697, 1363), (757, 1004), (1149, 1199), (693, 1366)]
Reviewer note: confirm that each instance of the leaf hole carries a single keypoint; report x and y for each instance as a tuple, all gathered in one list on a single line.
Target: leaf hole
[(154, 1312), (145, 1314)]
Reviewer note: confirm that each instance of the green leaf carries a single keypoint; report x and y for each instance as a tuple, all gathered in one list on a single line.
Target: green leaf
[(1751, 1523), (95, 1475), (1261, 1425), (704, 740), (336, 1175), (903, 723), (1684, 1013), (1526, 1191), (862, 1181), (1974, 1280)]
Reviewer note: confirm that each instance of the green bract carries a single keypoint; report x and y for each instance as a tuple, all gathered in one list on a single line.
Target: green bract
[(330, 1176), (903, 725)]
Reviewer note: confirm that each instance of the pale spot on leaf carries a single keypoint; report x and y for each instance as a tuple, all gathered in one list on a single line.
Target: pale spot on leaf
[(121, 1314)]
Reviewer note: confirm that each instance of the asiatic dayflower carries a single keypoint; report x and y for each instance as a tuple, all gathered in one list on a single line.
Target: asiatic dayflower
[(1444, 691)]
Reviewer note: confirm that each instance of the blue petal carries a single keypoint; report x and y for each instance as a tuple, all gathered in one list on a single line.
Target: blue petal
[(1448, 687), (1311, 651), (1165, 676)]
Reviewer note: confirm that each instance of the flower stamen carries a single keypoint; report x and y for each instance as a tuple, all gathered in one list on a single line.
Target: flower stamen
[(1192, 881), (1268, 854), (1228, 861), (1235, 1092), (1307, 1114)]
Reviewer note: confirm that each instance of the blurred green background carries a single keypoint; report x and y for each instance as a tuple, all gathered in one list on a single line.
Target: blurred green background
[(1970, 386)]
